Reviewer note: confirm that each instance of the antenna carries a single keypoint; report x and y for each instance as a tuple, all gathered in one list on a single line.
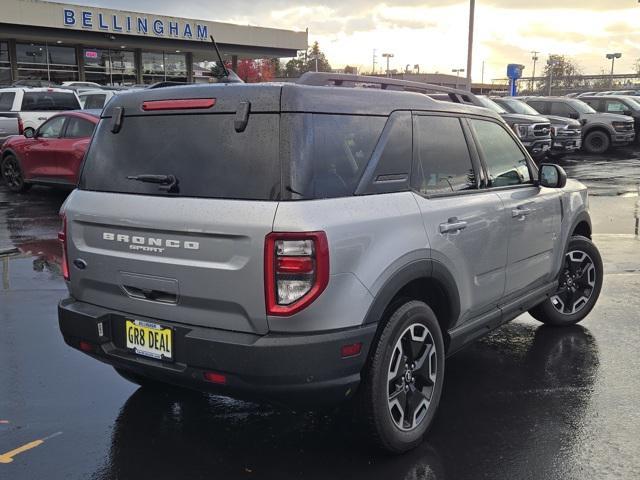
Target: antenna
[(215, 45)]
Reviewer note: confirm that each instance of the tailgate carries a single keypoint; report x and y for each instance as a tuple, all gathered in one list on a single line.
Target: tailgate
[(189, 260)]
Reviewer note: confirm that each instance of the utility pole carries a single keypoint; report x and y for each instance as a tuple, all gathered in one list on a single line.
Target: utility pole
[(388, 56), (534, 57), (373, 66), (612, 57), (482, 81), (472, 13)]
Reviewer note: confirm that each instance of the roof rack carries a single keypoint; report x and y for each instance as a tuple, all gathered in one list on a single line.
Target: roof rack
[(347, 80)]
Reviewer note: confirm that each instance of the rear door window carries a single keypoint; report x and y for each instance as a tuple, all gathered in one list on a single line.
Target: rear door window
[(49, 101), (562, 109), (443, 162), (94, 101), (6, 101), (203, 151), (78, 128), (540, 107), (506, 163)]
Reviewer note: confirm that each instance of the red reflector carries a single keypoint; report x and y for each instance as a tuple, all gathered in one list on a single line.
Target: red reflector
[(86, 346), (214, 377), (351, 350), (294, 265), (184, 104)]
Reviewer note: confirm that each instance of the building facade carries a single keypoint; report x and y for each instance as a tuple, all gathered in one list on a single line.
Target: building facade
[(58, 42)]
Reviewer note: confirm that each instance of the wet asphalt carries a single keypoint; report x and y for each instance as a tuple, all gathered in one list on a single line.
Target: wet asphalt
[(526, 402)]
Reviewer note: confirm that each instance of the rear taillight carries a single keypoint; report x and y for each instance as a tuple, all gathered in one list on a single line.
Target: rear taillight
[(62, 236), (20, 126), (296, 268)]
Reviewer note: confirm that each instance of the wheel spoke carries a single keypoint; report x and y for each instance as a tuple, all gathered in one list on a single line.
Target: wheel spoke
[(416, 407)]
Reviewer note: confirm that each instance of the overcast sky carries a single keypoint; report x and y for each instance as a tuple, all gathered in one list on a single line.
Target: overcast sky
[(433, 33)]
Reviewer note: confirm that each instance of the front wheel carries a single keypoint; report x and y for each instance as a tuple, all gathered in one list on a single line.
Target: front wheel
[(403, 382), (579, 286), (12, 174), (596, 142)]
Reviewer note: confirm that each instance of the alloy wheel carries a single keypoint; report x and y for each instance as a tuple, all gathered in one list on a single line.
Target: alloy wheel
[(412, 377), (577, 283), (11, 173)]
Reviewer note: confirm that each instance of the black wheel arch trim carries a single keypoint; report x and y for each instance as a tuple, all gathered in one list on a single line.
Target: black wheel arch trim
[(601, 127), (427, 269)]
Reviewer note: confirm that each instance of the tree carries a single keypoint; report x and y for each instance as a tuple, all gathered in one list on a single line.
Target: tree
[(306, 62), (564, 73), (253, 71), (351, 70)]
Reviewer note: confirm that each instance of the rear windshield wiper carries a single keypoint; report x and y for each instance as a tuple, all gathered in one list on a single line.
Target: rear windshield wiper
[(169, 182)]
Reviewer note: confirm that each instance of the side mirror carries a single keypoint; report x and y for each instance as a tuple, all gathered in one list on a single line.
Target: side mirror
[(552, 176), (29, 133), (574, 115), (628, 113)]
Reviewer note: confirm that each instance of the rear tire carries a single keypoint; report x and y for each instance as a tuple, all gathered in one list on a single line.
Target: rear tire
[(402, 384), (12, 173), (579, 289), (597, 142)]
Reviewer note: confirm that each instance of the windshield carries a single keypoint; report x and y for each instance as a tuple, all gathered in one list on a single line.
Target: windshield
[(516, 106), (581, 107), (490, 104)]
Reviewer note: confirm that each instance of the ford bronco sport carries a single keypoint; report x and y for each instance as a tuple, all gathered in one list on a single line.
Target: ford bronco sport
[(313, 242)]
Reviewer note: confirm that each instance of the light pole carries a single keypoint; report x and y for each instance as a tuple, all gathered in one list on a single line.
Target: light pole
[(472, 13), (457, 71), (534, 57), (388, 56), (612, 57)]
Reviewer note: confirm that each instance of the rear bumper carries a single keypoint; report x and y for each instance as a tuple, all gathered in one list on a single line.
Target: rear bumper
[(303, 369)]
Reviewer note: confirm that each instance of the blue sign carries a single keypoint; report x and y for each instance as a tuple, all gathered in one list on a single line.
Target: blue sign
[(138, 25), (514, 72)]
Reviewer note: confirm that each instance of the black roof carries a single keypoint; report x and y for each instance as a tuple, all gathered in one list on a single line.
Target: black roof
[(292, 97)]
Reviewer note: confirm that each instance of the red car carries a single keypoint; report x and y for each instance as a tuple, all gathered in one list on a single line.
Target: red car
[(50, 156)]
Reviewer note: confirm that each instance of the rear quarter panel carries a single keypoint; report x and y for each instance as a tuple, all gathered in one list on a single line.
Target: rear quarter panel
[(370, 239)]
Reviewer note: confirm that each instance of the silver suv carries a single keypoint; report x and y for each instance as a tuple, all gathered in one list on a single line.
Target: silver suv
[(314, 243)]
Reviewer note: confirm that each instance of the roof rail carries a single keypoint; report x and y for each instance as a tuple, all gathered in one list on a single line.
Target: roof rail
[(340, 79)]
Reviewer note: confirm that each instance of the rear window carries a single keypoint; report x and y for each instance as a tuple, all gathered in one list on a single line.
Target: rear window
[(204, 152), (49, 101)]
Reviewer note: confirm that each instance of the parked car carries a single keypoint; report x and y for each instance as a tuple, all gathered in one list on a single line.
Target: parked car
[(600, 131), (311, 243), (36, 105), (96, 99), (81, 84), (617, 104), (52, 155), (629, 93), (533, 130), (566, 133)]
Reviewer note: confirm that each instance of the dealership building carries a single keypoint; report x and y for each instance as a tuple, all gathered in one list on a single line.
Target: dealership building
[(61, 42)]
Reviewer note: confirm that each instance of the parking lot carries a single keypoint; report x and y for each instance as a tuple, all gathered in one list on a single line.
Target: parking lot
[(525, 402)]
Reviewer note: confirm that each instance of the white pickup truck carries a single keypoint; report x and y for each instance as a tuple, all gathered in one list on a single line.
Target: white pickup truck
[(35, 105)]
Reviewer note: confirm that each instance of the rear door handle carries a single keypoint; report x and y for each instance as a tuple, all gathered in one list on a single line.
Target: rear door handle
[(452, 225), (521, 212)]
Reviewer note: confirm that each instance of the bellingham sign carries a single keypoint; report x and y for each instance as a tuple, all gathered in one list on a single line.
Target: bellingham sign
[(133, 24)]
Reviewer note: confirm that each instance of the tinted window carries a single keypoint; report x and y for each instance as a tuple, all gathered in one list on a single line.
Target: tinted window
[(78, 128), (540, 107), (330, 152), (94, 101), (562, 109), (443, 160), (49, 101), (506, 164), (6, 101), (51, 128), (204, 152)]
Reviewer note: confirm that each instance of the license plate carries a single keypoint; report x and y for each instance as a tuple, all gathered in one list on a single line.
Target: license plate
[(149, 339)]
